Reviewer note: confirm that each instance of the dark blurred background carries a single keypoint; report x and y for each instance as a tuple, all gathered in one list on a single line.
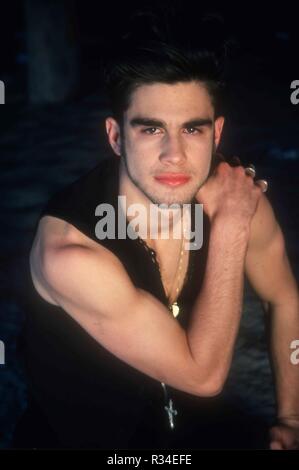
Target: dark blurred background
[(52, 131)]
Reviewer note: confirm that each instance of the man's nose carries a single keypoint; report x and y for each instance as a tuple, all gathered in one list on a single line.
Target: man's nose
[(173, 150)]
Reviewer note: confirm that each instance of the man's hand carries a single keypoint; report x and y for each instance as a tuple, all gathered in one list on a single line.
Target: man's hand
[(285, 435), (231, 193)]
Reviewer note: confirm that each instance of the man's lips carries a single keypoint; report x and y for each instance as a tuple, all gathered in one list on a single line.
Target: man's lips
[(172, 179)]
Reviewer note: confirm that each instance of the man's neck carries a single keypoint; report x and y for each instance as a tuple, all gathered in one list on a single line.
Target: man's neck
[(155, 226)]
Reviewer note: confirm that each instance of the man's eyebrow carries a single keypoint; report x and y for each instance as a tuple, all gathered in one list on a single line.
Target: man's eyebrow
[(198, 122), (146, 121)]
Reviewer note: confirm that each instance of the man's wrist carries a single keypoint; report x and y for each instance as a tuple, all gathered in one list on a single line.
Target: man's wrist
[(289, 420), (222, 225)]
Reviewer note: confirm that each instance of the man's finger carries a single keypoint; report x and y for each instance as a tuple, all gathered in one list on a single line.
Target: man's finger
[(235, 161), (220, 157), (276, 445)]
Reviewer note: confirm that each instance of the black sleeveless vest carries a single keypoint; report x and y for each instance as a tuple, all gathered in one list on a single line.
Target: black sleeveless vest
[(89, 397)]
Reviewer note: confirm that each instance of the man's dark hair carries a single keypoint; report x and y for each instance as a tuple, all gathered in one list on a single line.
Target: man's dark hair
[(156, 49)]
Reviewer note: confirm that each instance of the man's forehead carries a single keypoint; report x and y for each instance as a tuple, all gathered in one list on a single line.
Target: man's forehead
[(167, 101)]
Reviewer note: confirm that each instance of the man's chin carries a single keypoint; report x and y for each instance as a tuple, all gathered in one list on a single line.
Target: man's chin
[(179, 196), (167, 202)]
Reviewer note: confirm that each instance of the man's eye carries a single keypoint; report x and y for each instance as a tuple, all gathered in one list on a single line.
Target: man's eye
[(194, 130), (150, 130)]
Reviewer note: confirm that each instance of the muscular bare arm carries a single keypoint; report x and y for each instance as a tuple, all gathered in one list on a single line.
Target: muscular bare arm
[(91, 284), (269, 272)]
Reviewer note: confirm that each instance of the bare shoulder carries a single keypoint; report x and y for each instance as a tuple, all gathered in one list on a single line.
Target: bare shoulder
[(267, 264), (264, 225), (53, 231), (55, 242)]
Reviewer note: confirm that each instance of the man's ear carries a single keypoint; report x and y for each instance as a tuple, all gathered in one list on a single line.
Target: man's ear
[(219, 123), (113, 133)]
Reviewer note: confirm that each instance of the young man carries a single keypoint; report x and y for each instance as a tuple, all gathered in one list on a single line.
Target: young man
[(126, 339)]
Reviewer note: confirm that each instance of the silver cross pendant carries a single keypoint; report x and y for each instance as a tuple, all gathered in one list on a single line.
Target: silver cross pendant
[(171, 412)]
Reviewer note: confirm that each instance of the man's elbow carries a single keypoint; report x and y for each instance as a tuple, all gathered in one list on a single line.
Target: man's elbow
[(212, 387)]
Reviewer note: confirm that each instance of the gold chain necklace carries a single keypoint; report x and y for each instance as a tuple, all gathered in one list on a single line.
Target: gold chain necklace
[(175, 309), (173, 306)]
